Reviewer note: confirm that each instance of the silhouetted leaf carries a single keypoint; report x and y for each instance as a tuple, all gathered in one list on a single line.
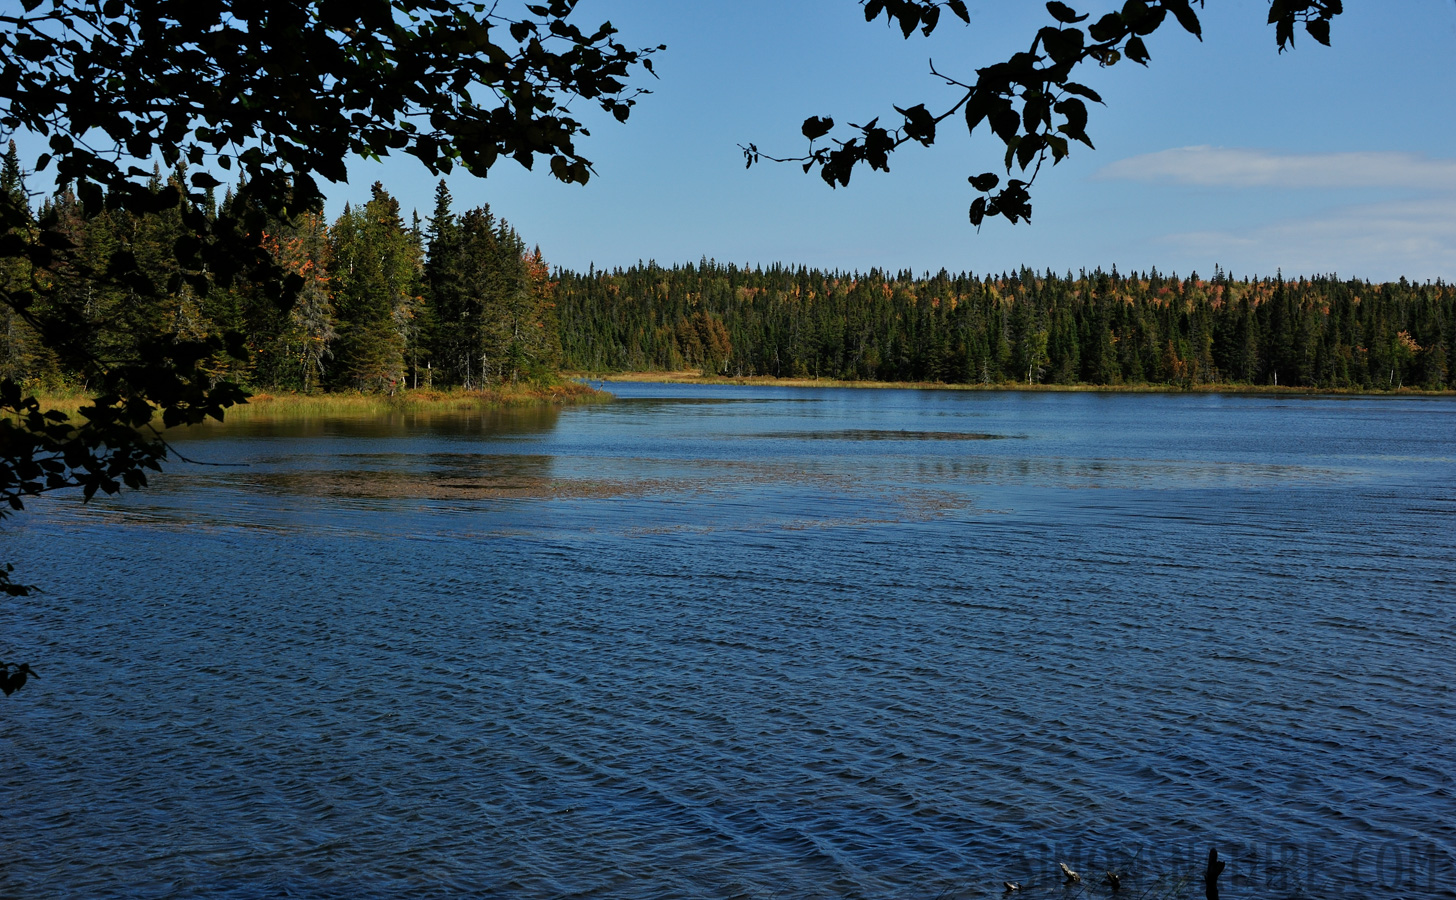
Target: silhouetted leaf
[(1183, 11), (1136, 50), (930, 17), (1082, 90), (1108, 28), (1064, 46), (977, 108), (1064, 13), (816, 127), (1149, 21), (919, 124), (909, 19), (1028, 149), (1076, 113), (1005, 122), (1284, 32), (985, 182), (1035, 110)]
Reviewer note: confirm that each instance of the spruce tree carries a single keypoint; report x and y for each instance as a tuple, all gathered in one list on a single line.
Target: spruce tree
[(441, 290), (20, 351), (374, 265)]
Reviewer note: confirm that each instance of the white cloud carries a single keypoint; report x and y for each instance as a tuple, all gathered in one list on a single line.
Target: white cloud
[(1415, 238), (1245, 168)]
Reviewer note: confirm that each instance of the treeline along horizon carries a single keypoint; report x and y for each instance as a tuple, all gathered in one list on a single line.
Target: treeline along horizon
[(1098, 328), (459, 300)]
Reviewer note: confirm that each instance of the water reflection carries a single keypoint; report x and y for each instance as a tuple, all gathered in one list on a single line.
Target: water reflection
[(497, 422), (871, 434), (432, 477)]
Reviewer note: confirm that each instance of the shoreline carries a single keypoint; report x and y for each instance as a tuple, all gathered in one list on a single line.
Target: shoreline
[(265, 403), (691, 377), (583, 388)]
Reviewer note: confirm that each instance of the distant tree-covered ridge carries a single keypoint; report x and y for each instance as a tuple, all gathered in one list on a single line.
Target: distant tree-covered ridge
[(1100, 328)]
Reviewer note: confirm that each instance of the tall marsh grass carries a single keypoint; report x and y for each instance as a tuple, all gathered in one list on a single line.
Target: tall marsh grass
[(271, 405)]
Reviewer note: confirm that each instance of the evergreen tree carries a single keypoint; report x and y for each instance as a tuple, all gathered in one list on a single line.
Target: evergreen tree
[(374, 265), (21, 353)]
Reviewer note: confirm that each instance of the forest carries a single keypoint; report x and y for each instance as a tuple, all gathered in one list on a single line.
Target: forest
[(1097, 328), (458, 300), (386, 304)]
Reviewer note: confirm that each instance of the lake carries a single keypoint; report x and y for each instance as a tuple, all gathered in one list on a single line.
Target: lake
[(750, 642)]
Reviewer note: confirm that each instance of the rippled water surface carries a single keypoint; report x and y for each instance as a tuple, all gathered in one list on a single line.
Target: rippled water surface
[(750, 642)]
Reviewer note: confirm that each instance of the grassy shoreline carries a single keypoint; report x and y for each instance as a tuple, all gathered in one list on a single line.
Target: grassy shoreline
[(268, 404), (580, 388), (691, 377)]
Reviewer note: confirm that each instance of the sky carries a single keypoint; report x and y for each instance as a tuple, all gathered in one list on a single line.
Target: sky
[(1223, 152)]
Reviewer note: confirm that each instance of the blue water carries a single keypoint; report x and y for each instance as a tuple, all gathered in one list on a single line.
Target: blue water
[(750, 642)]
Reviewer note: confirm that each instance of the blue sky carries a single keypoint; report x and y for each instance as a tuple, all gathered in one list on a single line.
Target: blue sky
[(1223, 152)]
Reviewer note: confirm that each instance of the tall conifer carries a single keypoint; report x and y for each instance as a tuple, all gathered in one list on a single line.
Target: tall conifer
[(374, 267)]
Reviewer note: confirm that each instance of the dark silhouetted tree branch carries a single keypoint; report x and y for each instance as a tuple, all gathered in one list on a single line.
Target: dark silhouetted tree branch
[(1030, 102)]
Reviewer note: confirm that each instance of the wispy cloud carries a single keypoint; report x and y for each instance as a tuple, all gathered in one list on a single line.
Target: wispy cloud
[(1245, 168), (1415, 238)]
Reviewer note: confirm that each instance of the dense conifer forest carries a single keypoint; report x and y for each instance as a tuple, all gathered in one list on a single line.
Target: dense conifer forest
[(459, 300), (385, 304), (1101, 328)]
